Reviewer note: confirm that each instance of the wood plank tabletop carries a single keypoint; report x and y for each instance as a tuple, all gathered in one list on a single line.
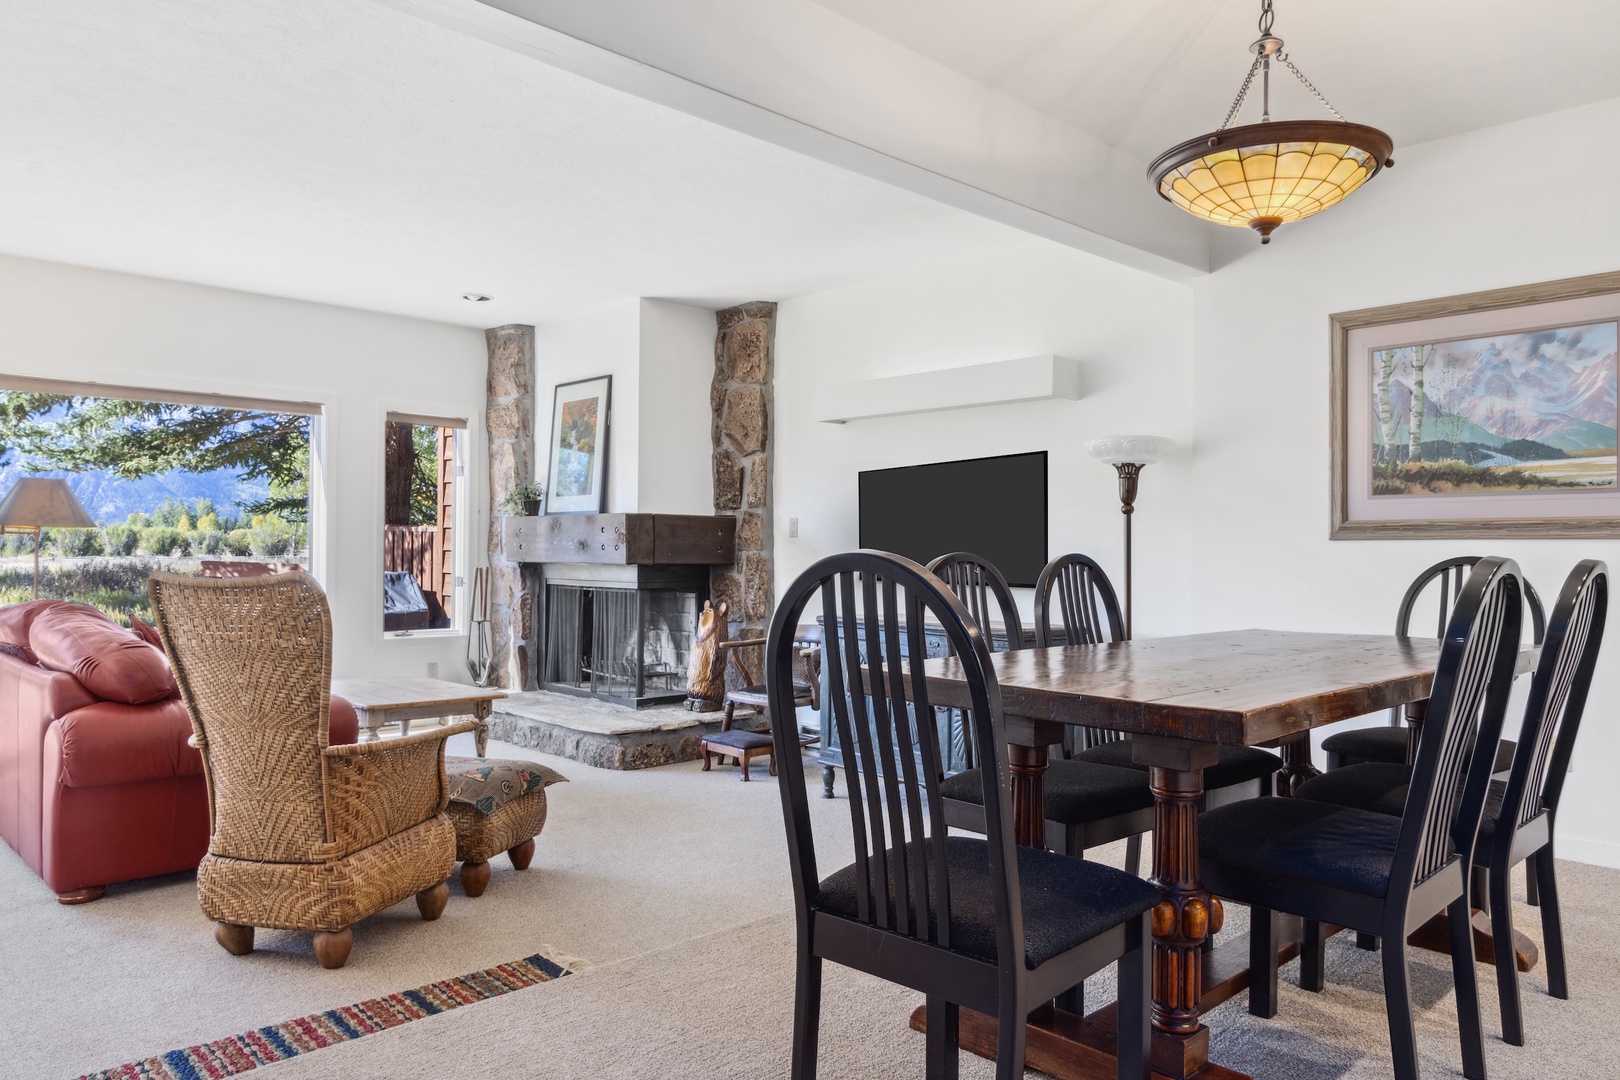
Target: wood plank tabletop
[(1240, 687), (403, 691)]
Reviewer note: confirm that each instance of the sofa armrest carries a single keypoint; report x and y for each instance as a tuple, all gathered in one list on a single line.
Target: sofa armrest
[(107, 743), (377, 789)]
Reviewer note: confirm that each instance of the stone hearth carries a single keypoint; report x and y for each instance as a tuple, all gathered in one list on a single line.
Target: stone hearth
[(603, 735)]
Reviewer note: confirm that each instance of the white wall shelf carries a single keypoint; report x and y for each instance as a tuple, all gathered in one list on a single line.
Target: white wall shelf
[(1031, 378)]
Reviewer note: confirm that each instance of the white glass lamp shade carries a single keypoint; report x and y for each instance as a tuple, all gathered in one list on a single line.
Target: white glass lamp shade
[(1134, 449)]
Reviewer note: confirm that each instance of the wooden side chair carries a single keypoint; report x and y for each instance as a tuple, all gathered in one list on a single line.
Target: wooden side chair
[(305, 835), (1392, 744), (745, 745), (1372, 872), (1087, 803), (966, 921), (1520, 810), (1089, 610)]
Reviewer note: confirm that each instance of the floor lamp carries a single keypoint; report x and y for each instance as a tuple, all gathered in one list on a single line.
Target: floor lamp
[(37, 503), (1128, 454)]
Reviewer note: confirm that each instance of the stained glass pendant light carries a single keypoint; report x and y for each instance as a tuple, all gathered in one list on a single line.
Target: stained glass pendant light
[(1264, 175)]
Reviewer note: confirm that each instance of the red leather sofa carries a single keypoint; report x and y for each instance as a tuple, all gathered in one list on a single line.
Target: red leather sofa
[(97, 782)]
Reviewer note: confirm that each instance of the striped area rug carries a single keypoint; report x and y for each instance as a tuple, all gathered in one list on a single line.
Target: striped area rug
[(261, 1046)]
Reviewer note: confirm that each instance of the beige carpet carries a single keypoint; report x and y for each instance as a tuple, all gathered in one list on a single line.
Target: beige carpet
[(674, 884)]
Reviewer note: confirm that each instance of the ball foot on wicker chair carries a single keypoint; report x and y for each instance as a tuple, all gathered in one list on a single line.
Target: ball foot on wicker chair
[(430, 902), (474, 877), (81, 896), (332, 947), (234, 939), (522, 854)]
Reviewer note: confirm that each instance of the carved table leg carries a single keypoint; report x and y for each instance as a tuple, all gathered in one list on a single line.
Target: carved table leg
[(1181, 921), (1297, 766), (481, 711), (1026, 766)]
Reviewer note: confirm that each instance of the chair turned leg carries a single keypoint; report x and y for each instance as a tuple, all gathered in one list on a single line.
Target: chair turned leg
[(1469, 1030), (1398, 1004), (1552, 926), (522, 855), (234, 939), (430, 901), (942, 1049), (474, 878), (1532, 887), (731, 712), (332, 947), (81, 896), (705, 759), (1313, 958), (1133, 855), (1262, 962), (1507, 965), (742, 766), (1012, 1029), (806, 1015)]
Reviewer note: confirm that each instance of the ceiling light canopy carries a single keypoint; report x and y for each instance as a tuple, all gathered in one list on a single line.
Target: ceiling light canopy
[(1264, 175)]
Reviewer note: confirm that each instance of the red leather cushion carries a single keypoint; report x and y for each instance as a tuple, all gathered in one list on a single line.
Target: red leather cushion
[(343, 725), (111, 662), (108, 743), (17, 619), (146, 632)]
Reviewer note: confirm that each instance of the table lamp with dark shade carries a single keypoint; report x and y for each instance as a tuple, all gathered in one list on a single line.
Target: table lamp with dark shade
[(37, 503)]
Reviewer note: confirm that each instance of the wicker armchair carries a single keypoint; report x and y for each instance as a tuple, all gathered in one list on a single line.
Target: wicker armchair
[(304, 836)]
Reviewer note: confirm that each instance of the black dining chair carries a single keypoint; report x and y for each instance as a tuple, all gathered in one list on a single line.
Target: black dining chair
[(972, 922), (1372, 872), (1392, 743), (1086, 803), (1520, 810), (1089, 611)]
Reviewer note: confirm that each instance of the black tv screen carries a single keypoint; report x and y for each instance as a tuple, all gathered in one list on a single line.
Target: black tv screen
[(994, 507)]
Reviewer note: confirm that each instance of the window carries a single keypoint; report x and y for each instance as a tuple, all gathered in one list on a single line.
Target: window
[(421, 548), (174, 482)]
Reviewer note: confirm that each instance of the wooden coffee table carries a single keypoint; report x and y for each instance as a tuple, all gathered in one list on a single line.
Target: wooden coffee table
[(400, 699)]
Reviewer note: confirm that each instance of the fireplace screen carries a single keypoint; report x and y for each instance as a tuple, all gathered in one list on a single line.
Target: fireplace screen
[(627, 645)]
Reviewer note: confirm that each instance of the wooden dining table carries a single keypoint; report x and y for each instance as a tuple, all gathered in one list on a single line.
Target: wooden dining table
[(1180, 699)]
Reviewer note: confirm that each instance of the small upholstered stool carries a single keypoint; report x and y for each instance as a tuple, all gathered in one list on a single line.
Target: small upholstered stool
[(742, 745), (495, 806)]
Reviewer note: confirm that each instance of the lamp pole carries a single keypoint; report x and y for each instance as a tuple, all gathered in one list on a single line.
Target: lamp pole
[(1129, 455), (1128, 471)]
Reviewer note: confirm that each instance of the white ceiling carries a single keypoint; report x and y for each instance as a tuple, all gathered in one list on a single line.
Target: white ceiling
[(1142, 75), (355, 155)]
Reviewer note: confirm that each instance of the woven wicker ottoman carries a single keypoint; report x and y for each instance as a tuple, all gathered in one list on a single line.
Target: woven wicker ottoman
[(496, 806)]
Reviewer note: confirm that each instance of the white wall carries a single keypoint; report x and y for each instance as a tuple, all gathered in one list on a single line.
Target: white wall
[(1132, 334), (661, 357), (67, 322), (1454, 216)]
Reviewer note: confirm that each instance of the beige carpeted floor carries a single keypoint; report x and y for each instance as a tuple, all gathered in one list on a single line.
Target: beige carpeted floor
[(673, 884)]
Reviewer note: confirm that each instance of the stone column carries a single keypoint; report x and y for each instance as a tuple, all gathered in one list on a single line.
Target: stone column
[(740, 398), (509, 417)]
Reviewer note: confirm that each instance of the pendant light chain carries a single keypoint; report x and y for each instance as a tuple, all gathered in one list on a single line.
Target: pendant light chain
[(1267, 18)]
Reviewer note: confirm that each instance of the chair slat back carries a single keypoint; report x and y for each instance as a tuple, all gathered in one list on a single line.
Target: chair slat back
[(1444, 582), (1089, 608), (253, 658), (1552, 715), (1466, 705), (878, 604), (984, 592)]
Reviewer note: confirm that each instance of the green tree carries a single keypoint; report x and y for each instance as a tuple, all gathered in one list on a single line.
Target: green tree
[(133, 439)]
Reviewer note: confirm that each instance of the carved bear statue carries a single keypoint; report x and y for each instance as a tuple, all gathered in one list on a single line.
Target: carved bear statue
[(706, 671)]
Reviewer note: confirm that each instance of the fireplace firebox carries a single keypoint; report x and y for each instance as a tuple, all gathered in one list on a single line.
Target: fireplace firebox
[(621, 634)]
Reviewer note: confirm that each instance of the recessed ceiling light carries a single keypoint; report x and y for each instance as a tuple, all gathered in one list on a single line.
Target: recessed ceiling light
[(475, 297)]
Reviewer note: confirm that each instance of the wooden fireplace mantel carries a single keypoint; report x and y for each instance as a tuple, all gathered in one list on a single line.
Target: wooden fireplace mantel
[(622, 539)]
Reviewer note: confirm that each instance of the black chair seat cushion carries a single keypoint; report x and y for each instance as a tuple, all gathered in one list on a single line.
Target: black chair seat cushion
[(1385, 744), (1076, 792), (739, 740), (1303, 840), (1066, 901), (1382, 788), (1238, 764)]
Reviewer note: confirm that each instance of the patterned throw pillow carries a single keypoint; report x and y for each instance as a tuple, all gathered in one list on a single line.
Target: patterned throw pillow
[(487, 784)]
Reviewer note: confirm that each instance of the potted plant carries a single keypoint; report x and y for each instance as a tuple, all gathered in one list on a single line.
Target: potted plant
[(524, 500)]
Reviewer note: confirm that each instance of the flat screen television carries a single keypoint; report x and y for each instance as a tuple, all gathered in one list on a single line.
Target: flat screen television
[(994, 507)]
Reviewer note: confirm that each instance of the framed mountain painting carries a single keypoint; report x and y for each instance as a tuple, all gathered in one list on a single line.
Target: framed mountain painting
[(1487, 415), (576, 482)]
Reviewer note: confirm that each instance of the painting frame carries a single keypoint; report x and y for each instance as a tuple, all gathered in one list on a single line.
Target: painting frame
[(584, 490), (1517, 309)]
